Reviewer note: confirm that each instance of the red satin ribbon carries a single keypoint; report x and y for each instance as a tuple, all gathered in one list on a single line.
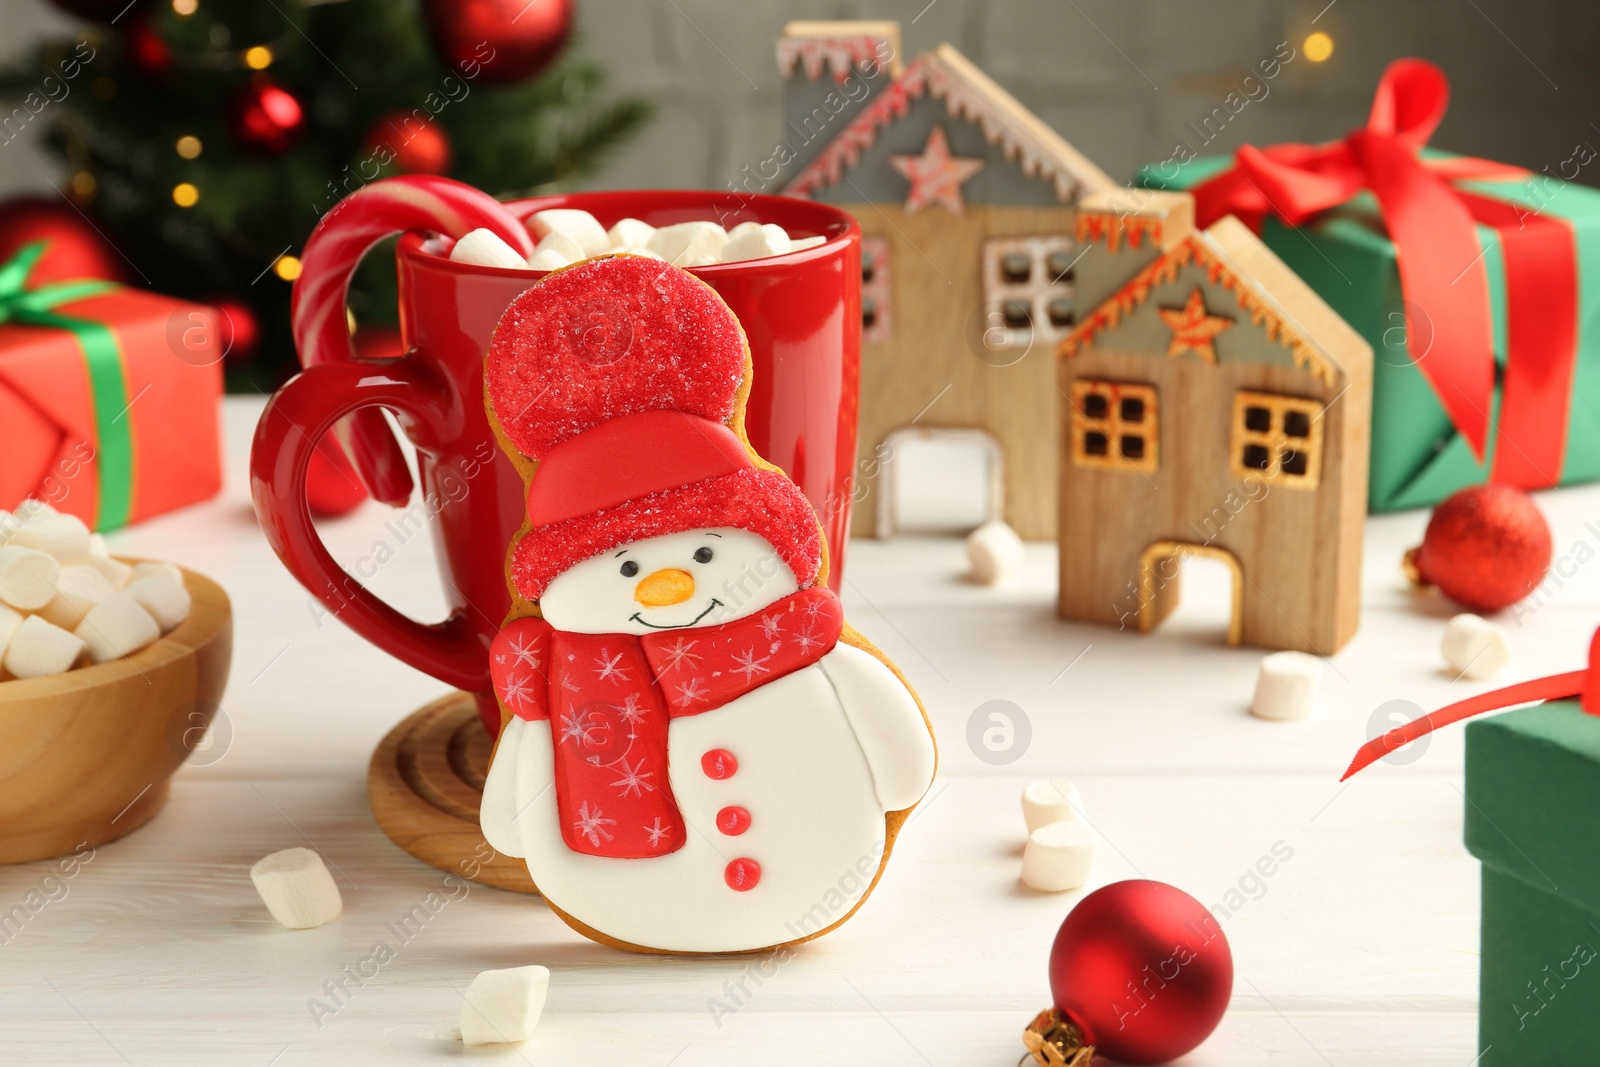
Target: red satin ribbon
[(1584, 684), (1442, 274)]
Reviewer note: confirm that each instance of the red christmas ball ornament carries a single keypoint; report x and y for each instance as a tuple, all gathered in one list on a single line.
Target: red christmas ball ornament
[(1486, 547), (333, 487), (414, 144), (498, 41), (265, 117), (241, 330), (147, 51), (1140, 970), (74, 248)]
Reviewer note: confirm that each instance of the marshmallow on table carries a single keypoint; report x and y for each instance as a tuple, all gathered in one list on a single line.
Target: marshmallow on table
[(27, 577), (1050, 800), (116, 627), (994, 551), (296, 888), (1058, 856), (579, 227), (757, 242), (38, 648), (504, 1006), (1286, 688), (485, 248), (166, 599), (629, 233), (78, 589), (687, 243), (62, 536), (1475, 648)]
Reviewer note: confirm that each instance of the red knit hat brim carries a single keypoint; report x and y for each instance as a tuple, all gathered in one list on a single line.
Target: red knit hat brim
[(761, 501)]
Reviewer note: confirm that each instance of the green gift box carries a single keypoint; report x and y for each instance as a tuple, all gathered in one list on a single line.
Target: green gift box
[(1419, 454), (1533, 819)]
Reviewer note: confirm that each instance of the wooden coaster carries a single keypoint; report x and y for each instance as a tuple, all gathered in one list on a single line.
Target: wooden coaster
[(425, 783)]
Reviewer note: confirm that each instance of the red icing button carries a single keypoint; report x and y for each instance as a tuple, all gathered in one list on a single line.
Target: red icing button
[(742, 875), (719, 764), (733, 820)]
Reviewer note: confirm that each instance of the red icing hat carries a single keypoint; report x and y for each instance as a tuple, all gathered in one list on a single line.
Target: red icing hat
[(619, 376)]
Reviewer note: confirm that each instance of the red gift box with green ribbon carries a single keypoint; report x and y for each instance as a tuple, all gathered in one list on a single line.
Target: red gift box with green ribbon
[(1476, 283), (108, 398)]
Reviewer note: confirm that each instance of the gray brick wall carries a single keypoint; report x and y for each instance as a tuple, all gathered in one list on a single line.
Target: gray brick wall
[(1121, 79)]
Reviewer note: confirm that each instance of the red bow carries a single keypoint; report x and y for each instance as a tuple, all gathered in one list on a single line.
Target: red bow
[(1584, 685), (1442, 274)]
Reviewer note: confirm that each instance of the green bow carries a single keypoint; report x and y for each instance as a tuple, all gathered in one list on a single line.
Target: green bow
[(103, 357)]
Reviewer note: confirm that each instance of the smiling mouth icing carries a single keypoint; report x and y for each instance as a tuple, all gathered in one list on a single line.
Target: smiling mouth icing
[(715, 603)]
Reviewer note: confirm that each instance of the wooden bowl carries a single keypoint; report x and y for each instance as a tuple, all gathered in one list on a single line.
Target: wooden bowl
[(85, 756)]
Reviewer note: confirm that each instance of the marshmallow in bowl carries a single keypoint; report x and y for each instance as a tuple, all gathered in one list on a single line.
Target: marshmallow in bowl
[(579, 227)]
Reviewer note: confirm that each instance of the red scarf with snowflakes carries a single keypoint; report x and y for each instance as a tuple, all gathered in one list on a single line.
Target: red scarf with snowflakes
[(609, 697)]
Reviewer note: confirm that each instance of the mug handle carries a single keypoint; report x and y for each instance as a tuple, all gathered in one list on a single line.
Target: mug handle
[(329, 259), (294, 421)]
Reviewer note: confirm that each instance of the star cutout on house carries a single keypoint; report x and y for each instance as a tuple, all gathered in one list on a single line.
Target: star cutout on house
[(1192, 329), (935, 175)]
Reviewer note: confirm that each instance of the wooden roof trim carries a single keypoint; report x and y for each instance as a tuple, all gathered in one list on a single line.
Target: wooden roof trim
[(968, 94), (1263, 296)]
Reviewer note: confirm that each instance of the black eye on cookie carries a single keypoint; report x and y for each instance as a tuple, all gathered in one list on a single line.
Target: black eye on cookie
[(629, 569), (702, 555)]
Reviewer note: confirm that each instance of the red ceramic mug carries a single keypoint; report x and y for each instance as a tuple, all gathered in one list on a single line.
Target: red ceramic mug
[(801, 312)]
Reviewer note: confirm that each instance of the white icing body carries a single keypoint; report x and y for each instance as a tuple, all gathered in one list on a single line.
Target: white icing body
[(822, 754)]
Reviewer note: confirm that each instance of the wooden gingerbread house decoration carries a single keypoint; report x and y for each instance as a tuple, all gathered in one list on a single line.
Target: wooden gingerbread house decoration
[(967, 203), (1212, 405)]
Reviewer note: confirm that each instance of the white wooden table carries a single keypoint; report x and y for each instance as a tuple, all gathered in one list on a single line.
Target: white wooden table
[(1361, 949)]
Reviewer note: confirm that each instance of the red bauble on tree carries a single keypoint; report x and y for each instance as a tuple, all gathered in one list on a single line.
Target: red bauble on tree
[(1486, 548), (498, 41), (241, 330), (415, 145), (333, 487), (147, 51), (74, 250), (1140, 970), (265, 117)]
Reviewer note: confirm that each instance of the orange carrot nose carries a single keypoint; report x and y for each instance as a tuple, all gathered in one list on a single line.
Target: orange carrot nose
[(669, 586)]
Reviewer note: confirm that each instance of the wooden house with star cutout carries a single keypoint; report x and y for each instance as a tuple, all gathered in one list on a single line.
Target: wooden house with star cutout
[(967, 204), (1212, 405)]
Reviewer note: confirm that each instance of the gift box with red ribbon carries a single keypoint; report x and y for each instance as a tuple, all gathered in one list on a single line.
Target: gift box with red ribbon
[(1533, 819), (108, 398), (1462, 273)]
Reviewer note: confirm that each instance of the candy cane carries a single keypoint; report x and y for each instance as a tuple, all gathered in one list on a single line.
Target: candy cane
[(330, 257)]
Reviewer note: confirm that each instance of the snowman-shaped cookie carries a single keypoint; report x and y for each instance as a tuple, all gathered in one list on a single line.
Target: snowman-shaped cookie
[(697, 754)]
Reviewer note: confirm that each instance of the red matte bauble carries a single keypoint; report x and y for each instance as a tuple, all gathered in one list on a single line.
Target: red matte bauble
[(332, 486), (1143, 969), (416, 145), (498, 41), (74, 248), (241, 330), (147, 51), (1486, 548), (266, 118)]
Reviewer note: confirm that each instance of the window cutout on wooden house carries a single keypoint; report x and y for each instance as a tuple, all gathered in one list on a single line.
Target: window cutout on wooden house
[(874, 289), (1028, 289), (1277, 438), (1115, 425)]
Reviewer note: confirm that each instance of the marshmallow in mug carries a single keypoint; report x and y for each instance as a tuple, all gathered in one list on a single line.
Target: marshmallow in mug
[(568, 235)]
